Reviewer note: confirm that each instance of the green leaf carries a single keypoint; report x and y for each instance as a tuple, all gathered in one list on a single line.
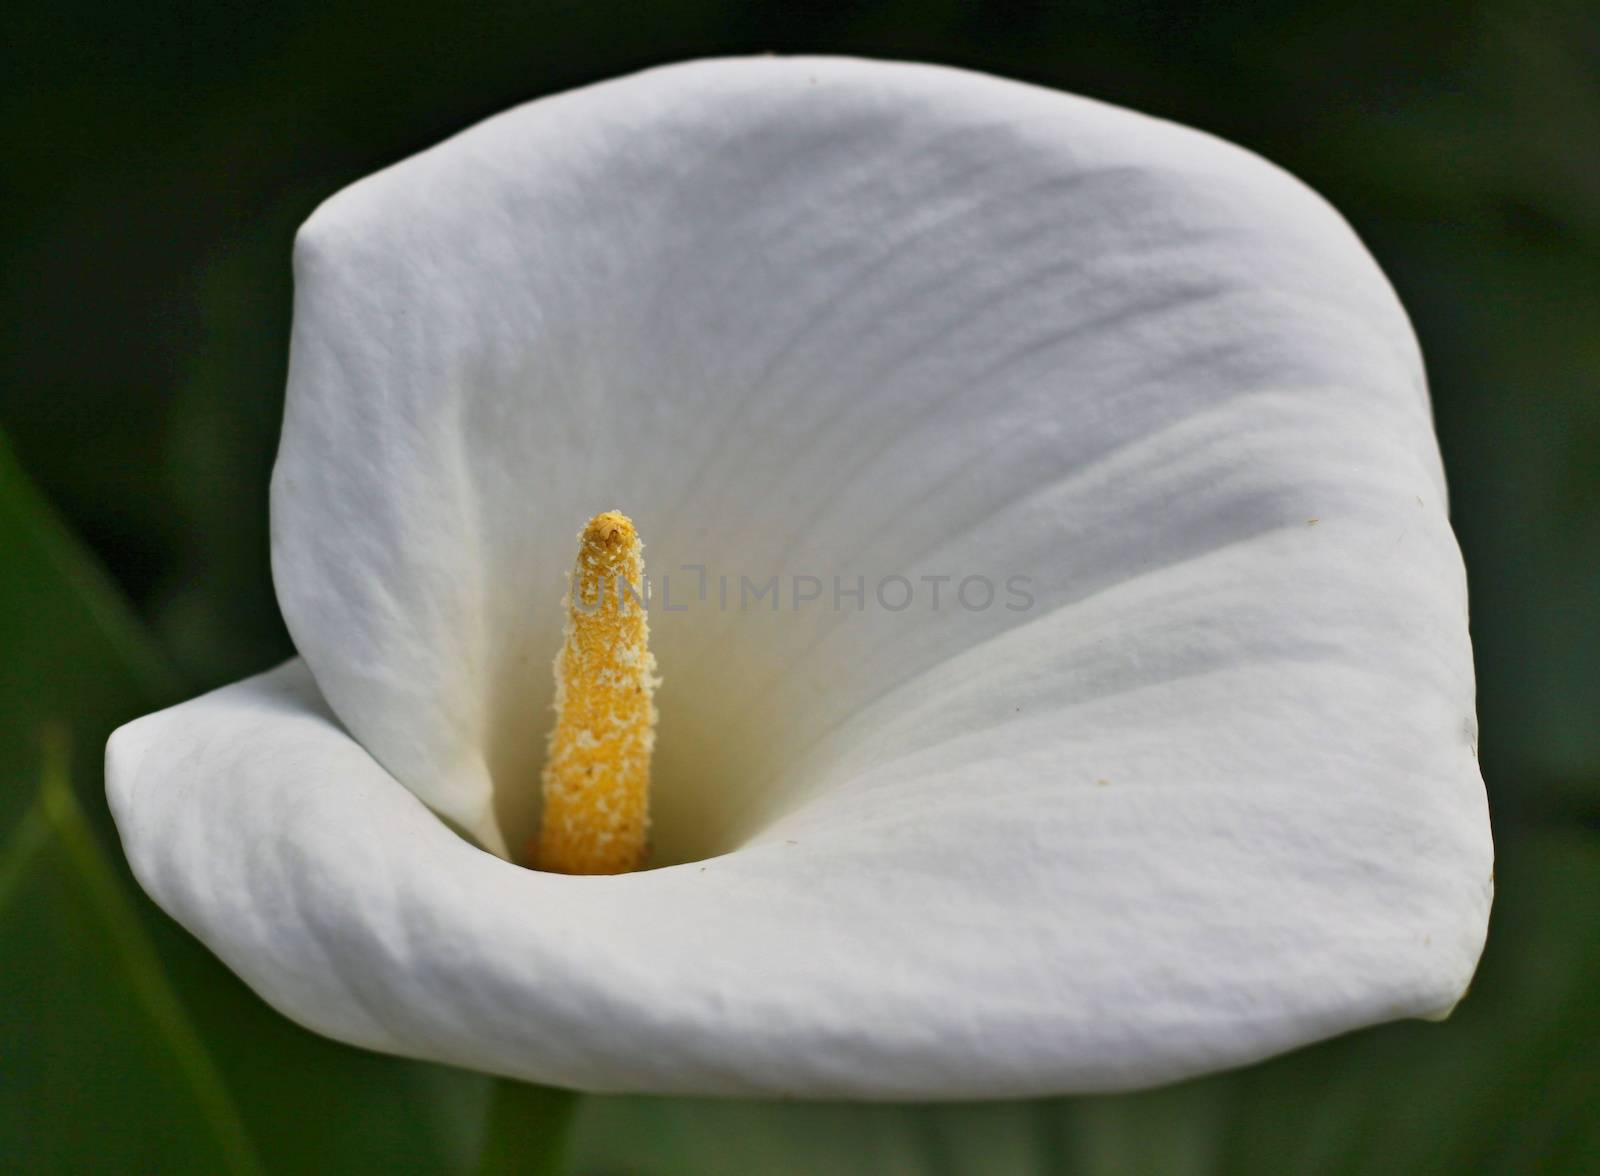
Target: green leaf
[(56, 825), (97, 1069), (74, 651), (29, 838), (90, 1081), (102, 1071), (50, 579)]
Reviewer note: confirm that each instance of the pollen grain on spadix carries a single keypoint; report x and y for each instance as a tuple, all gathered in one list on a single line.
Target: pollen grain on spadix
[(597, 770)]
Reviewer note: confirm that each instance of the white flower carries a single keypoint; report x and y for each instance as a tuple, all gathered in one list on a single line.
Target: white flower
[(1212, 795)]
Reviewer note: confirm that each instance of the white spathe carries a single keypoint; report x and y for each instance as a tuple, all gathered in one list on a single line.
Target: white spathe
[(1213, 795)]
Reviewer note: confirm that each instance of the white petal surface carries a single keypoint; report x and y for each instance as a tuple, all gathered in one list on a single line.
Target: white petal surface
[(921, 942), (1211, 795)]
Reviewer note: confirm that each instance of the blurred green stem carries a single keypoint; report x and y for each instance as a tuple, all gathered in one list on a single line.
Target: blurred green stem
[(527, 1130)]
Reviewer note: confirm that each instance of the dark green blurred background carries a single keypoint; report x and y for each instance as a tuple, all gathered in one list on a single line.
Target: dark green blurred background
[(156, 163)]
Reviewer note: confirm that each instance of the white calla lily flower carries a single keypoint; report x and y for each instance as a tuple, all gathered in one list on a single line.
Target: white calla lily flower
[(1196, 785)]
